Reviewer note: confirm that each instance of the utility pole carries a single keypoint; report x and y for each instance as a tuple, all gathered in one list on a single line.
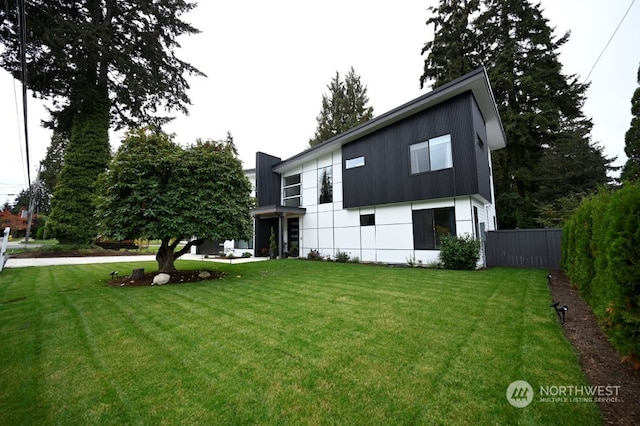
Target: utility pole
[(33, 192)]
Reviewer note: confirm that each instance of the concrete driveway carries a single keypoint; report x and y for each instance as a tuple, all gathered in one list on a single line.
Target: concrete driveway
[(51, 261)]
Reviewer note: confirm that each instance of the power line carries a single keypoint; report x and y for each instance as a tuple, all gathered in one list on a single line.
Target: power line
[(608, 42)]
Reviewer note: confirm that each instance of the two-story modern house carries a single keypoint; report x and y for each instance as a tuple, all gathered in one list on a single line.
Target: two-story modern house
[(387, 190)]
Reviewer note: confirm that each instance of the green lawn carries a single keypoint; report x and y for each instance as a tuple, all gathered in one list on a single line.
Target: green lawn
[(287, 342)]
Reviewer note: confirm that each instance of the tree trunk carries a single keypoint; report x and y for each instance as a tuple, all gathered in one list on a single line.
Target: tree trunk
[(166, 258)]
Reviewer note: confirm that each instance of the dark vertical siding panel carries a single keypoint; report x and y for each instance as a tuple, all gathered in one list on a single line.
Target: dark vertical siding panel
[(527, 248), (267, 181), (482, 156), (386, 176)]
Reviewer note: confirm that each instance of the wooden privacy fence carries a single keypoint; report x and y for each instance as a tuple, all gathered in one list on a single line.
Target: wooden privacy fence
[(524, 248)]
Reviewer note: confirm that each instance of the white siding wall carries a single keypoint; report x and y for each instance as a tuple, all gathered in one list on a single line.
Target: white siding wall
[(328, 227)]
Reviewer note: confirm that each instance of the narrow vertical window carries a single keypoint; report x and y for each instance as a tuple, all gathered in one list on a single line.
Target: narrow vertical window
[(325, 185)]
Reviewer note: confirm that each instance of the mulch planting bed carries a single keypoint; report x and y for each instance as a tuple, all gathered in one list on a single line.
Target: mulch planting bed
[(602, 365), (177, 277)]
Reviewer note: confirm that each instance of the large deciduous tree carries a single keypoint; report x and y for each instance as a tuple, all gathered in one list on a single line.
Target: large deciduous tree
[(631, 170), (540, 106), (99, 63), (156, 189), (343, 108)]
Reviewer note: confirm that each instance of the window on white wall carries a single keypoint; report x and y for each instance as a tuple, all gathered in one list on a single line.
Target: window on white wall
[(434, 154), (292, 191), (367, 219), (243, 244), (325, 185), (430, 225)]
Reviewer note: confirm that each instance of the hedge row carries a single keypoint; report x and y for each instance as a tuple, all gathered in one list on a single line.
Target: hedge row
[(601, 256)]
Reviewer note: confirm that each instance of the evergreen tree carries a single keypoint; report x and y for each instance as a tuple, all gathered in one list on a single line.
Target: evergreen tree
[(51, 167), (72, 218), (453, 50), (540, 106), (631, 170), (343, 108), (100, 62)]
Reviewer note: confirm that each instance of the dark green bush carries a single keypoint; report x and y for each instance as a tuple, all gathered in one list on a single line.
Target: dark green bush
[(459, 252), (342, 256), (600, 256)]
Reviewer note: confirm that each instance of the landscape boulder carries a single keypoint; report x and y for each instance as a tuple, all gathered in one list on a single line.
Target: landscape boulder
[(161, 278)]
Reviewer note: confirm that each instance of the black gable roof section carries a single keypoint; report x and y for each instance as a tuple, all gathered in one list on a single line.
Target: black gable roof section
[(476, 81)]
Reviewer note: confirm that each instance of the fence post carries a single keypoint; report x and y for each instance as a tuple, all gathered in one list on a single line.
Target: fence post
[(3, 252)]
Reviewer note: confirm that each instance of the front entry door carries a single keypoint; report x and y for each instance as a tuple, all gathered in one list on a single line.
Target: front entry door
[(293, 235)]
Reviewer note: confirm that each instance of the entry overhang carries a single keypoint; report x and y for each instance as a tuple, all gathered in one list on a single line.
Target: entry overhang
[(265, 212)]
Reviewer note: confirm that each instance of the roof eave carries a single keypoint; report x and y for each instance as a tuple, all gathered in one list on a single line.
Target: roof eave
[(477, 81)]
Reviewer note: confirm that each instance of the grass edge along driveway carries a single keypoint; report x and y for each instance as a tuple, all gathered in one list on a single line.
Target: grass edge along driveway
[(285, 341)]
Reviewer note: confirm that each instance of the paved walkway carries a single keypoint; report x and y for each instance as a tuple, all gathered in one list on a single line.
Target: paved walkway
[(50, 261)]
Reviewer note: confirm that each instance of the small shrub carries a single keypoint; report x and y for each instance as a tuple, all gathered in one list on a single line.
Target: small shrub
[(459, 252), (246, 254), (411, 261), (315, 255), (342, 256), (355, 259)]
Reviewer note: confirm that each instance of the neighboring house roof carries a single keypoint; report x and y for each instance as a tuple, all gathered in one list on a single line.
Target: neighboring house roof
[(476, 81)]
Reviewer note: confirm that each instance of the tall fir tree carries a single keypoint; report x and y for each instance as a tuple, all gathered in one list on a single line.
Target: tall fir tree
[(343, 108), (631, 170), (540, 106), (99, 62), (51, 166), (453, 50)]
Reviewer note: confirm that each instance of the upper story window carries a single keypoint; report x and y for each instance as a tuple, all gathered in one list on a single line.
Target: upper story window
[(354, 162), (434, 154), (292, 191), (325, 185)]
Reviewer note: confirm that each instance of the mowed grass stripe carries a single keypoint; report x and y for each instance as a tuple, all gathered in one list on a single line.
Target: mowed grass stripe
[(165, 347), (294, 342)]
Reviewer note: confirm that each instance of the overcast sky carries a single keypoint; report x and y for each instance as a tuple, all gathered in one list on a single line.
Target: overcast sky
[(268, 64)]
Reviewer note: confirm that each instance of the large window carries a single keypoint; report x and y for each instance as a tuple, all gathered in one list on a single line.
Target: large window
[(434, 154), (325, 185), (292, 191), (430, 225)]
